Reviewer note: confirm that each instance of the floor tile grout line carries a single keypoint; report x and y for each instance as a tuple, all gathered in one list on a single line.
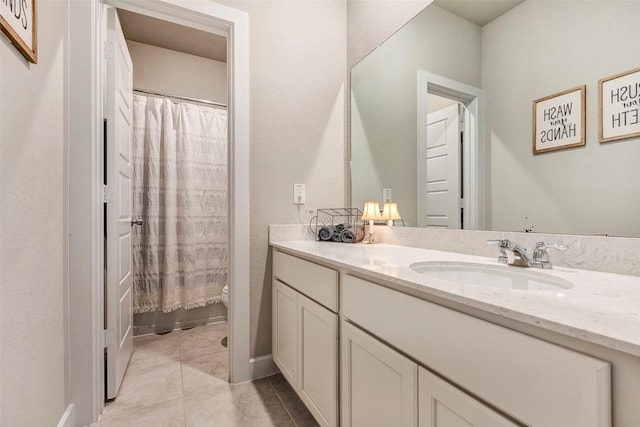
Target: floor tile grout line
[(184, 407), (282, 402)]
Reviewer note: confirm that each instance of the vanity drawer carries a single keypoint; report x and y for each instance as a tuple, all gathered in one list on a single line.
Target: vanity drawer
[(315, 281), (534, 381)]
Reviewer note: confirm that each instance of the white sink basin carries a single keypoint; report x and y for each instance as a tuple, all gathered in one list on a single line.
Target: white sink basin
[(494, 276)]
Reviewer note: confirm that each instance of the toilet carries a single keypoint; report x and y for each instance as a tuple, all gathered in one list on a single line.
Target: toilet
[(225, 296)]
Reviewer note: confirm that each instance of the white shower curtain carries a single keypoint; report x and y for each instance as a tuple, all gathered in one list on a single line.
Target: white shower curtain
[(180, 191)]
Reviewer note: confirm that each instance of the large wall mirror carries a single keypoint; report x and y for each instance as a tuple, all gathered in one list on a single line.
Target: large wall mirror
[(409, 93)]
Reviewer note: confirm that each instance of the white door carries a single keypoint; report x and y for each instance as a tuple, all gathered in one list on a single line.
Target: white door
[(379, 386), (118, 298), (443, 405), (318, 360), (285, 330), (440, 171)]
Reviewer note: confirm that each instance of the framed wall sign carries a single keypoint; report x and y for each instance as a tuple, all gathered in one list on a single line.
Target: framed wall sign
[(559, 120), (18, 20), (619, 106)]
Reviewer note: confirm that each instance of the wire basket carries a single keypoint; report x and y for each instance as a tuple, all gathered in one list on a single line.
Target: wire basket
[(338, 225)]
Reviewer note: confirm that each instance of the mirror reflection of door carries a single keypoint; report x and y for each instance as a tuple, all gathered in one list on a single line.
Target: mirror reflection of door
[(441, 165)]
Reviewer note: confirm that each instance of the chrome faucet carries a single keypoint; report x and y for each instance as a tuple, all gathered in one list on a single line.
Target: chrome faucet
[(512, 253)]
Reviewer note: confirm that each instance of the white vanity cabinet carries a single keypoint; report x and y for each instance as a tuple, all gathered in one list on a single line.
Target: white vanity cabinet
[(535, 382), (406, 361), (305, 332)]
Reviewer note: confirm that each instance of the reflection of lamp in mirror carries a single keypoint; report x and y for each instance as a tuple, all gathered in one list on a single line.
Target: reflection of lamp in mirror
[(390, 212), (371, 212)]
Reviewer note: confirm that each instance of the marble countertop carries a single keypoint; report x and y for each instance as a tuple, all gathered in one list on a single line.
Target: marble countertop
[(602, 308)]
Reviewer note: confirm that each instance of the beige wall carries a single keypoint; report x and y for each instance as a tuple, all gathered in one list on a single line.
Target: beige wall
[(33, 225), (586, 190), (298, 73), (177, 73)]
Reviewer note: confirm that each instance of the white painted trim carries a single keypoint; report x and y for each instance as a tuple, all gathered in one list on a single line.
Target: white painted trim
[(262, 367), (85, 181), (473, 174), (86, 375), (68, 418)]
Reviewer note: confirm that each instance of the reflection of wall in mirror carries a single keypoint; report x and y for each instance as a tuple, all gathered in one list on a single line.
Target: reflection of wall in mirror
[(535, 50), (384, 102), (371, 22)]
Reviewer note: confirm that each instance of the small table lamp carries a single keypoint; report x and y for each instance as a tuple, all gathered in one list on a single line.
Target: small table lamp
[(371, 212), (390, 212)]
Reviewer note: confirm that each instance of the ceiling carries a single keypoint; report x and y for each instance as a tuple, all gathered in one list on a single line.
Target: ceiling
[(159, 33), (480, 12)]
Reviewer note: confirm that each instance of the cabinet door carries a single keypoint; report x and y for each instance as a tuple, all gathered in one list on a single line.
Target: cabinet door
[(318, 360), (378, 385), (285, 330), (443, 405)]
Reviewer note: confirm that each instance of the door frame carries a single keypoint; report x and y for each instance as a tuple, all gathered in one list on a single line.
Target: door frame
[(85, 369), (473, 157)]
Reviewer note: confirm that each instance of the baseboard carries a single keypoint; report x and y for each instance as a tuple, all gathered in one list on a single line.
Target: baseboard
[(262, 366), (159, 322), (68, 418)]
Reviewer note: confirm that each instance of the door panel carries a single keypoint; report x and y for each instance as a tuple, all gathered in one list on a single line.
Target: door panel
[(440, 171), (443, 405), (318, 360), (285, 330), (118, 220), (379, 386)]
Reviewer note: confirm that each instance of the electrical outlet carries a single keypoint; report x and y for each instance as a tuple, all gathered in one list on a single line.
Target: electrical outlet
[(298, 194), (386, 195)]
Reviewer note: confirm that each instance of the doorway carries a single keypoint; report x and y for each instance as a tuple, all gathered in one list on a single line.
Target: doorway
[(86, 254), (177, 239)]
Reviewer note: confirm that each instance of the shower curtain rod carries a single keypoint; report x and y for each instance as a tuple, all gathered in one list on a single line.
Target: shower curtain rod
[(183, 98)]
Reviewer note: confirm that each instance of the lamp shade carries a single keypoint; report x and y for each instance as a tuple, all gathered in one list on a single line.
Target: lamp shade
[(390, 211), (371, 211)]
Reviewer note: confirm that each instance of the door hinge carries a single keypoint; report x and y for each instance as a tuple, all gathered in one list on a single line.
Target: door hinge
[(107, 194), (108, 337), (107, 50), (461, 203)]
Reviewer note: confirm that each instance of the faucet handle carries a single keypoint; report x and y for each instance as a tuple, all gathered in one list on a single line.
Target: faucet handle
[(540, 252), (503, 258), (501, 243)]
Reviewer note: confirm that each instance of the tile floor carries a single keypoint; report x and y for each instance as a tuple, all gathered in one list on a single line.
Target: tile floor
[(180, 379)]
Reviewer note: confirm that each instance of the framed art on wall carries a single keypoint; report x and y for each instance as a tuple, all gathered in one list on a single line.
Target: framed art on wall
[(18, 21), (619, 106), (559, 120)]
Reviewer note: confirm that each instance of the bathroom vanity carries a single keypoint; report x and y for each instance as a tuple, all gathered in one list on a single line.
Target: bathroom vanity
[(365, 340)]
